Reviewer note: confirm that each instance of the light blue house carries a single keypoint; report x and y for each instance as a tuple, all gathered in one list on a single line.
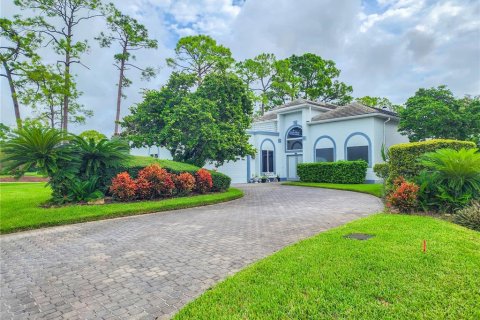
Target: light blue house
[(307, 131)]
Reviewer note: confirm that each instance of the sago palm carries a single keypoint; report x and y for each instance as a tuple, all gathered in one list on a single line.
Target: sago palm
[(458, 171), (40, 147), (96, 156)]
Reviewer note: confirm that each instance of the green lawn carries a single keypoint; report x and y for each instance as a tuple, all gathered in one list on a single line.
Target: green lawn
[(167, 164), (27, 174), (371, 188), (20, 207), (385, 277)]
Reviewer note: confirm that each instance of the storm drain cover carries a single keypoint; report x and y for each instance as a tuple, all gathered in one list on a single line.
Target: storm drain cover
[(359, 236)]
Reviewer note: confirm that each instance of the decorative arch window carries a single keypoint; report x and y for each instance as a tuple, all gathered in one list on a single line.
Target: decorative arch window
[(267, 150), (294, 140), (324, 149), (357, 147)]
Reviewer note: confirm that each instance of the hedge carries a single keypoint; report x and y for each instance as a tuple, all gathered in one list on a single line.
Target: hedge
[(404, 157), (333, 172), (381, 170), (220, 181)]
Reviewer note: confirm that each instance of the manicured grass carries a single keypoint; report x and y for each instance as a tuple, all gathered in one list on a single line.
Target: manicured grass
[(168, 164), (385, 277), (371, 188), (20, 207), (27, 174)]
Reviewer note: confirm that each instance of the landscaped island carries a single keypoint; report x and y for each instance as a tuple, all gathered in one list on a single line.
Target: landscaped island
[(95, 179)]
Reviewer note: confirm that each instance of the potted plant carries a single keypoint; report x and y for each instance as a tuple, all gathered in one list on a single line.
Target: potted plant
[(278, 178), (264, 179)]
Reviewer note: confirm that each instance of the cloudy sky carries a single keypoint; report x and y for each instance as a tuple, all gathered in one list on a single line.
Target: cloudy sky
[(384, 48)]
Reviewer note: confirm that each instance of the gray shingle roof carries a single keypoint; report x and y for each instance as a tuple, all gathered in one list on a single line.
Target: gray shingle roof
[(352, 109), (272, 114)]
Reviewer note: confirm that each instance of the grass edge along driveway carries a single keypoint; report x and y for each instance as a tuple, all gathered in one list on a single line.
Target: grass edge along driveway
[(331, 277), (20, 207), (370, 188)]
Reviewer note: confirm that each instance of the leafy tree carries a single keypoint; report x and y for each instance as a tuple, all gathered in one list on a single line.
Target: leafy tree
[(199, 126), (58, 21), (436, 113), (309, 77), (18, 57), (379, 103), (200, 55), (92, 134), (131, 36), (258, 74), (285, 84), (4, 133), (45, 96)]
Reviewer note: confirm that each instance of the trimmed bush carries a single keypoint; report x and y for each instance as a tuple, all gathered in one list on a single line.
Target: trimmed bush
[(161, 183), (404, 197), (204, 181), (123, 187), (381, 170), (221, 182), (469, 217), (404, 157), (333, 172), (184, 182)]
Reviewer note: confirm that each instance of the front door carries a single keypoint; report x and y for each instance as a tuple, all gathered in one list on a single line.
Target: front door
[(292, 162)]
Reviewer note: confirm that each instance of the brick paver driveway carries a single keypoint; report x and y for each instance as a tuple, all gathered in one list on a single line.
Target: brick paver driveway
[(151, 265)]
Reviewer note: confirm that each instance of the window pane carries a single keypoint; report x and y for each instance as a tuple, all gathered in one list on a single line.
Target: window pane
[(295, 133), (324, 155), (357, 153), (296, 144), (264, 160), (270, 161)]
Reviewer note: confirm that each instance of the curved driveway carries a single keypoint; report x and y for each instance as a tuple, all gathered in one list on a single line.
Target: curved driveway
[(147, 266)]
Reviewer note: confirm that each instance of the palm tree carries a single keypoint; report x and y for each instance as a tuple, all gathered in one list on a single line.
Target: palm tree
[(40, 147), (98, 156), (457, 171)]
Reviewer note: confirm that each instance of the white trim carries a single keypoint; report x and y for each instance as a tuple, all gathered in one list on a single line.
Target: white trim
[(300, 106), (360, 116)]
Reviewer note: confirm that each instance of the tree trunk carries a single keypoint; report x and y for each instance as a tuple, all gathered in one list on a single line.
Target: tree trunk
[(67, 93), (66, 97), (119, 93), (13, 92)]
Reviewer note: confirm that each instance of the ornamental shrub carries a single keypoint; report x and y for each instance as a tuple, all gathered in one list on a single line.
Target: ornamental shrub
[(404, 157), (204, 181), (184, 182), (381, 170), (469, 217), (451, 179), (144, 188), (161, 183), (404, 197), (123, 187), (333, 172), (221, 182)]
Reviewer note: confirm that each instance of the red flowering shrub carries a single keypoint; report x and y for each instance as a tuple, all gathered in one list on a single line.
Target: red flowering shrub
[(404, 197), (144, 188), (123, 187), (184, 182), (161, 183), (204, 181)]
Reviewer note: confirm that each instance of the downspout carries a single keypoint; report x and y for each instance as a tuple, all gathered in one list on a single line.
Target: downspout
[(384, 132)]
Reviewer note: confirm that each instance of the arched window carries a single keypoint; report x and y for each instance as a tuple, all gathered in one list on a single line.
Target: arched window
[(294, 139), (324, 149), (267, 150), (358, 147)]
